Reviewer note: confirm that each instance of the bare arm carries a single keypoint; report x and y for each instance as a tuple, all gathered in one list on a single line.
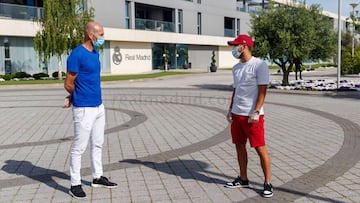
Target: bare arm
[(229, 114), (261, 97), (232, 99), (69, 82), (69, 87)]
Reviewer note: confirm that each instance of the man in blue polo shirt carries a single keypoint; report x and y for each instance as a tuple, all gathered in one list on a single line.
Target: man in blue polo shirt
[(83, 84)]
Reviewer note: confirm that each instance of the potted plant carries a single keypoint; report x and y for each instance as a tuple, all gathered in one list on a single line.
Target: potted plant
[(213, 66), (166, 56), (186, 64)]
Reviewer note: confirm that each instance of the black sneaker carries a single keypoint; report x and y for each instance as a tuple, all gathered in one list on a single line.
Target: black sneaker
[(237, 183), (77, 192), (268, 190), (103, 182)]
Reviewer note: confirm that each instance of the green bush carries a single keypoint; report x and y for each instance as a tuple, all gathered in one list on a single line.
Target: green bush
[(56, 74), (347, 63), (356, 68), (21, 75), (8, 76), (213, 60), (38, 76)]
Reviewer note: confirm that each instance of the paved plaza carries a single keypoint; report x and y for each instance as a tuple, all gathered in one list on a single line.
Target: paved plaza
[(167, 140)]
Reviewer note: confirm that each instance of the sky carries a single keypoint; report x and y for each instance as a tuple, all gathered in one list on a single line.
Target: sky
[(332, 5)]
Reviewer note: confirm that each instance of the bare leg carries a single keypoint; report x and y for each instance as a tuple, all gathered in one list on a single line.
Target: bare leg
[(265, 162), (242, 160)]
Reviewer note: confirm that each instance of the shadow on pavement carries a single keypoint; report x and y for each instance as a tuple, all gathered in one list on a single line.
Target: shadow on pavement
[(186, 169), (39, 174), (344, 95), (215, 86), (280, 191)]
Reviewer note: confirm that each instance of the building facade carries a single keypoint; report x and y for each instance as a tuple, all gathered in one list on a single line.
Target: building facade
[(140, 34)]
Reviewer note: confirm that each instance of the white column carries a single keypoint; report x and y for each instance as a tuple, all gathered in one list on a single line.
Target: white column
[(236, 27), (132, 14), (176, 20)]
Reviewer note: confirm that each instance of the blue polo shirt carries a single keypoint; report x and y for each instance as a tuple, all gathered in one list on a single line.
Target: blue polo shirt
[(86, 64)]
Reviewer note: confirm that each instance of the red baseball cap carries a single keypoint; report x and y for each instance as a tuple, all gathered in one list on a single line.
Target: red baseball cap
[(242, 39)]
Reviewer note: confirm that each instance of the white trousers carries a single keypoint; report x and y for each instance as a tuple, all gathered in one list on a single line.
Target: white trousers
[(89, 126)]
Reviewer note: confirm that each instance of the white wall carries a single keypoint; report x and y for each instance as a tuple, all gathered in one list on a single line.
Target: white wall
[(135, 57), (19, 28), (200, 56), (163, 37), (226, 60), (110, 13)]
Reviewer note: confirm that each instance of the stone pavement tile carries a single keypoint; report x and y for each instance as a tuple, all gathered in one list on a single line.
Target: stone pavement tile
[(336, 187), (296, 153), (134, 175), (343, 181), (355, 198), (214, 193), (330, 196), (163, 201), (195, 191), (159, 194), (140, 198), (238, 195), (23, 197), (353, 187), (121, 192), (100, 193), (123, 185), (326, 192), (124, 199), (138, 187), (101, 200), (43, 199), (64, 195), (6, 198), (177, 193), (11, 191), (303, 200)]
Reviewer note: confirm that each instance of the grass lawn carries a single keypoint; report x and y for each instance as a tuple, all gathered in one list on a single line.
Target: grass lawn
[(103, 78)]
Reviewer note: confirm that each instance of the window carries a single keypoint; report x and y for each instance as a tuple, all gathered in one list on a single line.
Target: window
[(180, 20), (229, 29), (7, 61), (127, 14), (238, 26), (199, 23), (6, 48)]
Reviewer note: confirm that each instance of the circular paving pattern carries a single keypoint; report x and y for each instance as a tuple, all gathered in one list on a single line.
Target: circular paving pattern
[(144, 110)]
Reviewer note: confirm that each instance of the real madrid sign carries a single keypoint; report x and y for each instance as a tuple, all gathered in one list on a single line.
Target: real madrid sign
[(117, 57)]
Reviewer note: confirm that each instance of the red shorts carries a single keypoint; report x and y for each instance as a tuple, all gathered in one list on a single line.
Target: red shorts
[(241, 130)]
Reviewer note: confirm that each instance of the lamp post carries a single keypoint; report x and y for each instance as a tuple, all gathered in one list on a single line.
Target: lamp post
[(339, 45), (353, 5)]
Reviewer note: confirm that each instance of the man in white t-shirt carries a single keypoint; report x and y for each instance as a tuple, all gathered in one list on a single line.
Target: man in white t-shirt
[(246, 113)]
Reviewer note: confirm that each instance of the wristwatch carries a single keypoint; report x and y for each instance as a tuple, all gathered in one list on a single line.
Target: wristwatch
[(257, 112)]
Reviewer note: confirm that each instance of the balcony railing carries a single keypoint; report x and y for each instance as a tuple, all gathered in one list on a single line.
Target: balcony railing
[(229, 32), (154, 25), (20, 11), (241, 8)]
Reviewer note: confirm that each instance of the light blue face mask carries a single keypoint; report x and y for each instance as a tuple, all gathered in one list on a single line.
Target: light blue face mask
[(99, 42), (236, 53)]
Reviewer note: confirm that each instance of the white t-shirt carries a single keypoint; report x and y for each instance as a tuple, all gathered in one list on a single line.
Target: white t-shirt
[(247, 76)]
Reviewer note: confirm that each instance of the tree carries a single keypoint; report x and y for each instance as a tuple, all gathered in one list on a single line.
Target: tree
[(286, 34), (62, 28)]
